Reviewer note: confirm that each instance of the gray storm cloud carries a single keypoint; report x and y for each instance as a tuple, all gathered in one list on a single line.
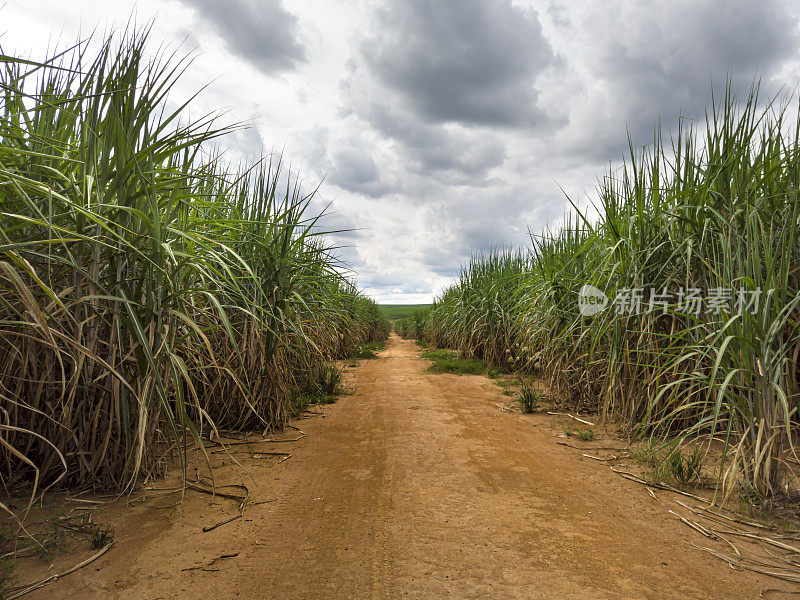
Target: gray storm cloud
[(469, 62), (262, 32)]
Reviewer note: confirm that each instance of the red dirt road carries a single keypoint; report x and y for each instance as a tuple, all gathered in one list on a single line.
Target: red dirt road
[(416, 486)]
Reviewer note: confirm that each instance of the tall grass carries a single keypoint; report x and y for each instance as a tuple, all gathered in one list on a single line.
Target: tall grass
[(709, 209), (148, 293)]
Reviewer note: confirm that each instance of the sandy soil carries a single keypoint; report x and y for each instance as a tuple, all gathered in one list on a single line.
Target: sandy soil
[(415, 486)]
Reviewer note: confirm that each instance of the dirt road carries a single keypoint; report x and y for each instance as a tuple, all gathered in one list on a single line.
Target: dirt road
[(415, 486)]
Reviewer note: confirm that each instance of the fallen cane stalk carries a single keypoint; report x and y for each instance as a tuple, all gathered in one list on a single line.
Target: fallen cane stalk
[(585, 422), (221, 523), (613, 457), (40, 584), (736, 564)]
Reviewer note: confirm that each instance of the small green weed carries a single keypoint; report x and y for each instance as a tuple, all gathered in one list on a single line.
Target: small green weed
[(686, 470), (669, 465), (102, 537), (750, 501), (528, 400), (585, 435)]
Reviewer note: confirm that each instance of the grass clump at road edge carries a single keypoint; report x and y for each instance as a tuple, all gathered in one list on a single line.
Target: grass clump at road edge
[(368, 350), (528, 400), (447, 361), (669, 464), (321, 386), (585, 435)]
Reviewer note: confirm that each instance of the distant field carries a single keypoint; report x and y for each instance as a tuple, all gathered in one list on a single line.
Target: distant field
[(400, 311)]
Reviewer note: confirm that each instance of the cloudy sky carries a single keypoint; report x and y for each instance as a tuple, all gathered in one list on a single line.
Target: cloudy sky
[(443, 128)]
